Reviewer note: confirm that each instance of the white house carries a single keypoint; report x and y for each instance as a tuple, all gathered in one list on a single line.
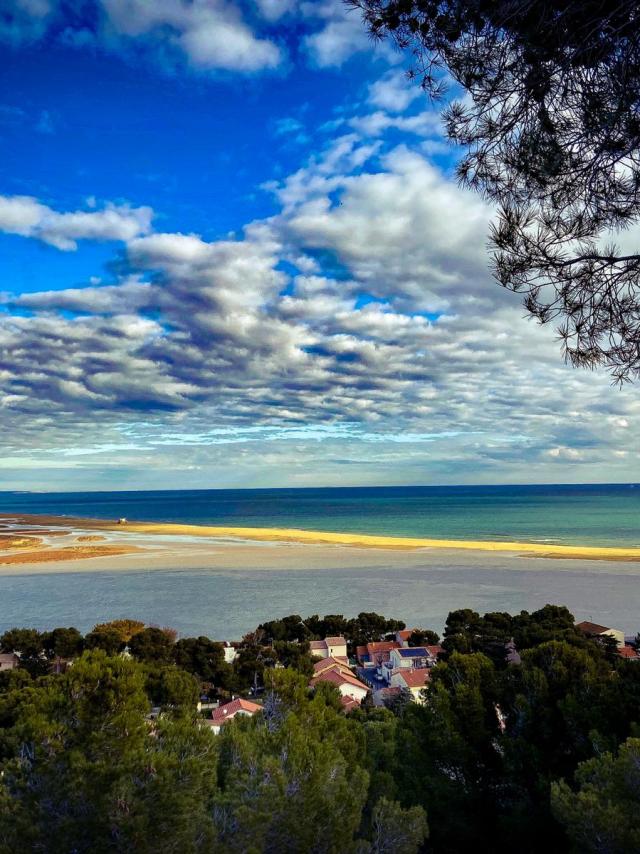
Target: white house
[(230, 653), (346, 683), (334, 647), (228, 712), (594, 630), (412, 679)]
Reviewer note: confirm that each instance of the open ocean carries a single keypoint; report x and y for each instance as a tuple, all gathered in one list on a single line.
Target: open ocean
[(599, 515), (226, 602)]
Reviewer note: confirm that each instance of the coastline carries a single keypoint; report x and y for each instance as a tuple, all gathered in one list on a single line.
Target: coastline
[(121, 536)]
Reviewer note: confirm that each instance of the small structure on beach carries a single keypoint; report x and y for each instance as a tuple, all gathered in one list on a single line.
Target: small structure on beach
[(122, 521)]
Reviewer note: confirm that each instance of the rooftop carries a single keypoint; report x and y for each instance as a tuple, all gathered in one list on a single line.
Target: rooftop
[(592, 628), (226, 712), (338, 677), (628, 652), (416, 677), (414, 652), (339, 662)]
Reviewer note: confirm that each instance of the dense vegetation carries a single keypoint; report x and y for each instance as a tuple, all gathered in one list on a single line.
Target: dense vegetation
[(539, 755)]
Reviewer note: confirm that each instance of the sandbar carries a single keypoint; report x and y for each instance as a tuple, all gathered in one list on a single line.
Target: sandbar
[(157, 531), (64, 554)]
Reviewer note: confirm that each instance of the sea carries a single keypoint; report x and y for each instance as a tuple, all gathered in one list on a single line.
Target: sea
[(227, 602)]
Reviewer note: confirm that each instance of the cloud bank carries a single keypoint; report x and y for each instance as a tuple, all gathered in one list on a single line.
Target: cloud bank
[(357, 330)]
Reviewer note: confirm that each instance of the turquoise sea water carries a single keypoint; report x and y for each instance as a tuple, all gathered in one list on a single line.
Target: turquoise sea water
[(606, 515)]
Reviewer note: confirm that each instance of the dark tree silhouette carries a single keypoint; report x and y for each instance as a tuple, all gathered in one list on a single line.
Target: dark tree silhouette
[(551, 130)]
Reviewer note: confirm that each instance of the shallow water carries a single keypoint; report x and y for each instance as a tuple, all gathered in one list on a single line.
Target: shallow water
[(226, 603)]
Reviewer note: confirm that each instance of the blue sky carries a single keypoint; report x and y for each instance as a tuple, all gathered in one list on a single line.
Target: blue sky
[(232, 253)]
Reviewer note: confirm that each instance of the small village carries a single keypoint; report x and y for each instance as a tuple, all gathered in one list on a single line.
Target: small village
[(396, 668), (387, 670)]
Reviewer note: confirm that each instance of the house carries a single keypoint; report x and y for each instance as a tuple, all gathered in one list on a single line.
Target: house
[(348, 704), (230, 652), (594, 630), (375, 653), (417, 656), (339, 664), (628, 652), (8, 661), (346, 683), (228, 712), (412, 679), (334, 647), (403, 635)]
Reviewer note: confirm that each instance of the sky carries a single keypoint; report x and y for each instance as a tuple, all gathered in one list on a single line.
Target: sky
[(233, 253)]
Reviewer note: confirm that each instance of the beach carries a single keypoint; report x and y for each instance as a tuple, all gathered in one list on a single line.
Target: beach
[(223, 580), (30, 539)]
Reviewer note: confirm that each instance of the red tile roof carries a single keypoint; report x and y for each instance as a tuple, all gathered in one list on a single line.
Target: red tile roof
[(338, 678), (333, 662), (415, 677), (434, 650), (226, 712), (627, 651), (376, 648), (592, 628), (405, 634), (349, 704), (336, 641)]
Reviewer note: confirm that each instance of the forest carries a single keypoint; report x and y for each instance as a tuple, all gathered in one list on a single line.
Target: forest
[(102, 747)]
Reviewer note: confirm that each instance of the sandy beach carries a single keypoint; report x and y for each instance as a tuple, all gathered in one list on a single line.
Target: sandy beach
[(30, 540)]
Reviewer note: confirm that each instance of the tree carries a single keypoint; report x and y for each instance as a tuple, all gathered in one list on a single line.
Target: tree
[(603, 815), (28, 644), (25, 642), (202, 657), (291, 780), (551, 127), (396, 830), (89, 774), (151, 645), (175, 690), (105, 638), (126, 629), (64, 643), (423, 637), (369, 626)]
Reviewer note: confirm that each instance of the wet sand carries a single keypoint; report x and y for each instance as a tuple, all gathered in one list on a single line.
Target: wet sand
[(291, 535), (64, 554)]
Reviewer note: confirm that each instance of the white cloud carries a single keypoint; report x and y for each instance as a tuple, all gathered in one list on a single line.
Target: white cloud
[(375, 124), (206, 350), (28, 217), (208, 34), (274, 9), (394, 92), (211, 33), (341, 35)]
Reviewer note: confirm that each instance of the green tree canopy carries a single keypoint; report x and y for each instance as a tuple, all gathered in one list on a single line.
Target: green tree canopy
[(603, 815)]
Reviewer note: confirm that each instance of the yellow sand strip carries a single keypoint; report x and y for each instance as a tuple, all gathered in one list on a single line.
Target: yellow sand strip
[(295, 535)]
